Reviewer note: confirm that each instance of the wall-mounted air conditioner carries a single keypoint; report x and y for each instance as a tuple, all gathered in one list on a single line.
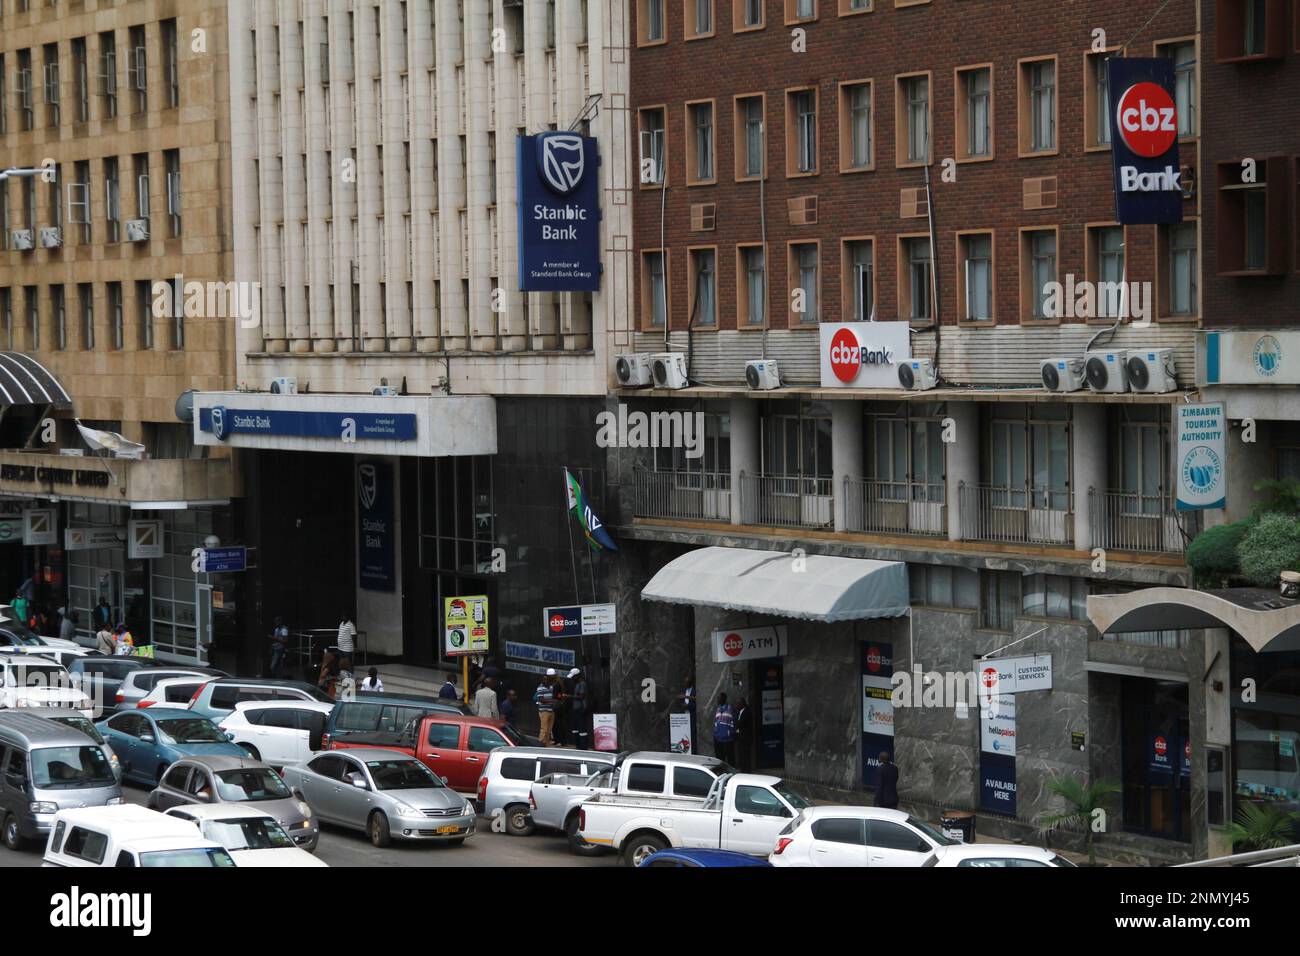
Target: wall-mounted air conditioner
[(917, 375), (669, 369), (1152, 370), (22, 239), (51, 237), (1062, 374), (285, 385), (137, 230), (633, 370), (763, 374), (1106, 371)]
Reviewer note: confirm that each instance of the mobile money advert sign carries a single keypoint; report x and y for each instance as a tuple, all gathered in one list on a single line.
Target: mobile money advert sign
[(1201, 452), (559, 213), (465, 625)]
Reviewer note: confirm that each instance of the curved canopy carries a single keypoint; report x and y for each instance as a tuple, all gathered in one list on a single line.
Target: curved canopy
[(25, 381), (821, 588), (1264, 620)]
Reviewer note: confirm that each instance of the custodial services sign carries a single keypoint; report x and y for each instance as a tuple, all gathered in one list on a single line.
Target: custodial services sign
[(559, 213)]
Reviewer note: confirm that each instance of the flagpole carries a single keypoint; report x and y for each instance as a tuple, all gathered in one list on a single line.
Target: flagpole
[(573, 559)]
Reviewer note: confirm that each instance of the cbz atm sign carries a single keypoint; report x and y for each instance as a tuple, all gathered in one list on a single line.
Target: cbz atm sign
[(1144, 141), (559, 213)]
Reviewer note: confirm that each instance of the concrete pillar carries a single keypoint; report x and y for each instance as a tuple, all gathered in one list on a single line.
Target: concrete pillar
[(1218, 729), (962, 459), (744, 450), (1088, 469), (846, 456)]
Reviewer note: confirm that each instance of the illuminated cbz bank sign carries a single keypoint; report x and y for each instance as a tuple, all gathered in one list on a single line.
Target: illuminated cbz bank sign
[(1144, 144), (559, 213)]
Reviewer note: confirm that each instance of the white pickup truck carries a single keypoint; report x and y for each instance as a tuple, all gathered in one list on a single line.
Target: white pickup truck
[(743, 811)]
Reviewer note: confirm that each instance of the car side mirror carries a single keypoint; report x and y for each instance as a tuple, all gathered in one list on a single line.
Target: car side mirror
[(230, 735), (444, 781), (358, 783), (147, 738)]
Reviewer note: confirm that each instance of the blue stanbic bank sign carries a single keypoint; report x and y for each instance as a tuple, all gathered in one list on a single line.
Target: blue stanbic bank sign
[(559, 213)]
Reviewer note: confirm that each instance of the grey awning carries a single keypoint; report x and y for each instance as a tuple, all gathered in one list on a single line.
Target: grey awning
[(25, 381), (1263, 620), (767, 582)]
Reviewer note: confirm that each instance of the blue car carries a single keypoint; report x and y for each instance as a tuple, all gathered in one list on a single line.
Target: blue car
[(702, 857), (149, 740)]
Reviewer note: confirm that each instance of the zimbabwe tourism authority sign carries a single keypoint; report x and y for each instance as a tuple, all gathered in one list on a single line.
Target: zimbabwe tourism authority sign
[(559, 213), (1201, 465)]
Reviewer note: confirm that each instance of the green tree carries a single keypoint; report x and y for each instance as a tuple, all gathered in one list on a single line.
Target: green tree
[(1212, 555), (1283, 496), (1269, 548), (1085, 804)]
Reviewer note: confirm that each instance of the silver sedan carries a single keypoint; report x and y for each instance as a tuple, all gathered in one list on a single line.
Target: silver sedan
[(387, 794)]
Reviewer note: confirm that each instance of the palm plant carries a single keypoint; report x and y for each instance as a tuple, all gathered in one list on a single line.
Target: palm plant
[(1082, 802), (1261, 827)]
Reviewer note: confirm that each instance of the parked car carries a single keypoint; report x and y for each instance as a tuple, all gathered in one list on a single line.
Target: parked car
[(453, 746), (100, 675), (279, 732), (697, 857), (150, 741), (47, 767), (386, 794), (378, 711), (555, 799), (995, 855), (173, 692), (28, 681), (79, 721), (857, 836), (744, 811), (129, 835), (137, 683), (509, 774), (251, 836), (13, 629), (213, 779), (216, 699), (17, 638)]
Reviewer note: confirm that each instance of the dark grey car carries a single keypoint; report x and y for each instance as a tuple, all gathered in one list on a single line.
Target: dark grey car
[(238, 780)]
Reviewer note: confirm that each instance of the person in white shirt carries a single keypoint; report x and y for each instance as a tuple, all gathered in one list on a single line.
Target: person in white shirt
[(373, 682), (347, 635), (485, 701)]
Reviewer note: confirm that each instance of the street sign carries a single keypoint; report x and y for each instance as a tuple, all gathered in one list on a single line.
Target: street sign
[(220, 560), (465, 625), (540, 654), (578, 620)]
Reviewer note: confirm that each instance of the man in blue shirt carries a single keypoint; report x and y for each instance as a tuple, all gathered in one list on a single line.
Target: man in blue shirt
[(724, 731)]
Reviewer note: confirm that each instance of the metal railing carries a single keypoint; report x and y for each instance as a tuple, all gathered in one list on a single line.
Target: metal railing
[(1278, 856), (697, 495), (1016, 514), (787, 501), (307, 649), (895, 507), (1132, 521)]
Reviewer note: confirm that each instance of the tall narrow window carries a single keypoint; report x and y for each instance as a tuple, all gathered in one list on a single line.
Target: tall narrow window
[(804, 104), (655, 292), (1182, 269), (172, 159), (704, 293), (81, 67), (1038, 105), (58, 305), (651, 16), (856, 117), (751, 114), (701, 121), (86, 305), (1110, 269), (1184, 57), (805, 305), (977, 277), (915, 113), (144, 312), (702, 17), (112, 199), (33, 318), (918, 278), (753, 13), (51, 79), (1038, 252), (137, 69), (652, 145), (171, 63), (108, 73), (977, 112), (860, 268), (754, 289), (115, 314)]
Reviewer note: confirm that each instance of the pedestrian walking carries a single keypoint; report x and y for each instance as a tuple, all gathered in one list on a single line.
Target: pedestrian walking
[(347, 640), (448, 690), (887, 783), (578, 709), (103, 614), (279, 647), (744, 736), (68, 629), (105, 642), (372, 681), (724, 731), (346, 688), (510, 707), (485, 700), (544, 698), (125, 642)]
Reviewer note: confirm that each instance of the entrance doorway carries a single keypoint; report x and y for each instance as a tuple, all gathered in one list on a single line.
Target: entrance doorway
[(1156, 758), (767, 678)]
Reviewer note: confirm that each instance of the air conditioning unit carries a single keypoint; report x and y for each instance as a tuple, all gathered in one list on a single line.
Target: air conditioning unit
[(284, 386), (763, 374), (51, 237), (917, 375), (1152, 370), (1106, 371), (388, 391), (1062, 374), (137, 230), (632, 371), (22, 239), (669, 369)]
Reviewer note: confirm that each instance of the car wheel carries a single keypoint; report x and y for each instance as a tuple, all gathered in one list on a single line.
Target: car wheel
[(12, 835), (378, 828), (576, 843), (518, 820), (252, 751), (638, 849)]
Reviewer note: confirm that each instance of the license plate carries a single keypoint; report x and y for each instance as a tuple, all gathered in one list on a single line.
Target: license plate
[(448, 829)]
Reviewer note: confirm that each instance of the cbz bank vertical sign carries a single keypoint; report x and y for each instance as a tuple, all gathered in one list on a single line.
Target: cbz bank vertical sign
[(1144, 141), (559, 213)]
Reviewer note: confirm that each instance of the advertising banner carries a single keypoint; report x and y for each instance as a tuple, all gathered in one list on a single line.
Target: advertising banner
[(863, 354), (1013, 675), (749, 643), (998, 754), (541, 655), (1201, 457), (998, 784), (221, 421), (559, 212), (679, 734), (376, 533), (465, 625), (771, 720), (877, 707), (1144, 140), (578, 620), (998, 725), (604, 732)]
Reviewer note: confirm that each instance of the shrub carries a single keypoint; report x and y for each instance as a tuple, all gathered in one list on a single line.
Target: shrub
[(1283, 495), (1212, 555), (1269, 548)]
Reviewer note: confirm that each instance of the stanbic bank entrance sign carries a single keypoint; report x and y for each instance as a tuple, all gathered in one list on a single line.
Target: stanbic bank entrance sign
[(559, 213), (863, 354)]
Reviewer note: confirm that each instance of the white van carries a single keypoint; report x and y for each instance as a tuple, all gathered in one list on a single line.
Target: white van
[(129, 835)]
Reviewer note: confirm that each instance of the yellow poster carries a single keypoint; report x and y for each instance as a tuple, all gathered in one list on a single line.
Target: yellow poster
[(465, 625)]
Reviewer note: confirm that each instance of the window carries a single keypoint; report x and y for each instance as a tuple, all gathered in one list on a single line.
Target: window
[(1096, 101), (1254, 217), (1184, 56), (1055, 595), (107, 75), (912, 112), (699, 18), (1250, 29), (112, 200), (171, 65), (848, 830), (1025, 464), (699, 150), (1178, 248), (750, 136), (137, 69), (975, 276), (759, 801), (1105, 268), (33, 318), (800, 10), (654, 287), (690, 782), (59, 307), (894, 836), (849, 7), (751, 285), (650, 22), (86, 844), (23, 89), (444, 736), (653, 145), (86, 301), (937, 586), (144, 312), (172, 160), (141, 161), (999, 600), (50, 77), (175, 777), (804, 282), (858, 268), (1038, 106), (79, 199), (857, 150), (704, 287), (1037, 273), (483, 740), (915, 279), (975, 113), (645, 778), (115, 314), (747, 15), (801, 132)]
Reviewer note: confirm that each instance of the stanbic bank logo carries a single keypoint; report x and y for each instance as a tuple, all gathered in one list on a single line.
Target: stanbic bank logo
[(562, 160), (1147, 122), (219, 422)]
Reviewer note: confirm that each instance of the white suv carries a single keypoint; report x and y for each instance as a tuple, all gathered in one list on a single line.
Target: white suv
[(857, 836), (29, 681), (278, 732)]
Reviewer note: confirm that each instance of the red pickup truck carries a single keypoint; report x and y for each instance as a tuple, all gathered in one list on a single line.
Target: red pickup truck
[(452, 746)]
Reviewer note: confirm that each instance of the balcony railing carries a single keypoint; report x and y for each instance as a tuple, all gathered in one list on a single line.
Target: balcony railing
[(895, 507), (786, 501), (1132, 521), (688, 495), (1016, 514)]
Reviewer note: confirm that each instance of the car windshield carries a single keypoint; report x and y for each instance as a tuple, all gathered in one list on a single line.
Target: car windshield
[(254, 833), (795, 800), (38, 675), (251, 783), (199, 856), (191, 730), (514, 736), (935, 836), (402, 775), (1062, 861), (83, 724), (69, 768)]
